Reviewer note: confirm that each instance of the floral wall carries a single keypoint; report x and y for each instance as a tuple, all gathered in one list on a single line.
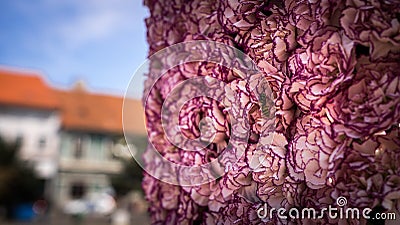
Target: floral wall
[(333, 69)]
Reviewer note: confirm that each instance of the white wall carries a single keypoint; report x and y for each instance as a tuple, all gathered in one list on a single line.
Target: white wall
[(32, 125)]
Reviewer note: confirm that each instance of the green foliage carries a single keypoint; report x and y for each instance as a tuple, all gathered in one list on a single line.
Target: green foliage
[(132, 174), (129, 179), (18, 182)]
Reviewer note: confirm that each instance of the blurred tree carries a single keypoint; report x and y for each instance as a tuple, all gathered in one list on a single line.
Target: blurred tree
[(129, 179), (132, 174), (18, 182)]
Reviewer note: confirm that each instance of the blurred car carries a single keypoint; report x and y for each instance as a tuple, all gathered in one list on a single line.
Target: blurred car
[(76, 207), (95, 203)]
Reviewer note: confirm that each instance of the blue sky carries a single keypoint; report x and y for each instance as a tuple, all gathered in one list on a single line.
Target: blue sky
[(101, 42)]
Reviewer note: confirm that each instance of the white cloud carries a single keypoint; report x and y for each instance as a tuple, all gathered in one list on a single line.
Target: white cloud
[(74, 23), (95, 20), (93, 39), (89, 27)]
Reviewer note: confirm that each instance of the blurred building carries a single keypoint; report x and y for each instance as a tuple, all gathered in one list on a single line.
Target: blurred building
[(30, 115), (90, 133), (73, 137)]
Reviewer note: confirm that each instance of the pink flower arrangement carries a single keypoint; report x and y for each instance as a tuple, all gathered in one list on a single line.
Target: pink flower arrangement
[(334, 71)]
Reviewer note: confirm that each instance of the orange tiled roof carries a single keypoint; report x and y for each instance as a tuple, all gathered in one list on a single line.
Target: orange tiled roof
[(80, 110), (25, 89), (86, 111)]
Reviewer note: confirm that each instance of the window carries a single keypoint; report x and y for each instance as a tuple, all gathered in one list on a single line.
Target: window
[(96, 147), (78, 190), (78, 148), (97, 187), (42, 142), (19, 140)]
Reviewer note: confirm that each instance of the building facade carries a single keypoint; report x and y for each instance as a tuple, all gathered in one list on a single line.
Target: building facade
[(90, 131), (37, 131), (72, 137), (29, 115), (85, 163)]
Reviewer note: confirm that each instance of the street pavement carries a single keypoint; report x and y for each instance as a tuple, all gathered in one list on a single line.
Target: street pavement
[(60, 219)]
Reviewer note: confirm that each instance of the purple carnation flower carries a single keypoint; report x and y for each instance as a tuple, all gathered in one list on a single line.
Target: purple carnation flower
[(328, 128)]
